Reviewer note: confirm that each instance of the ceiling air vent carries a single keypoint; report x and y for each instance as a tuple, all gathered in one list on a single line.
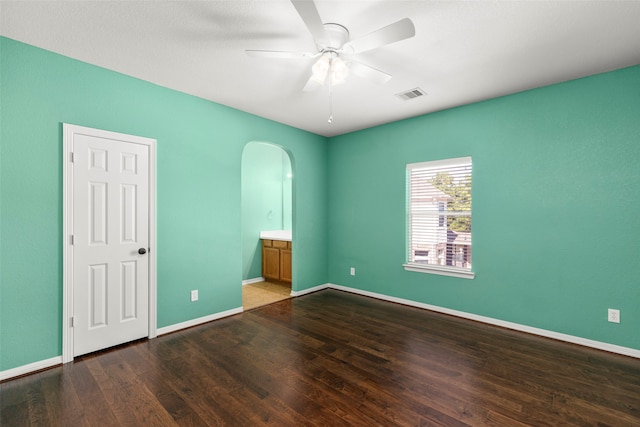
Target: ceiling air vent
[(411, 94)]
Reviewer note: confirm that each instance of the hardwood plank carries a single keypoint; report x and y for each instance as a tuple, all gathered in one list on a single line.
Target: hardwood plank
[(61, 399), (93, 401), (333, 358)]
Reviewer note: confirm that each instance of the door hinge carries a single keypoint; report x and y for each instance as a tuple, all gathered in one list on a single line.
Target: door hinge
[(71, 157), (71, 239), (71, 321)]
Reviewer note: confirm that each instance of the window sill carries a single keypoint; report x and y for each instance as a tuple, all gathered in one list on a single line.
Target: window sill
[(441, 270)]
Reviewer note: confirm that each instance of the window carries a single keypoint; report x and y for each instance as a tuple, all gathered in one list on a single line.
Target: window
[(439, 217)]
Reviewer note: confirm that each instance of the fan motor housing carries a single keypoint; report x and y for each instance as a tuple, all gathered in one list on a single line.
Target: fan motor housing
[(337, 36)]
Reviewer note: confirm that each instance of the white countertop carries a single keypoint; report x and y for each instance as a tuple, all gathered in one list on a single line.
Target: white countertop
[(276, 235)]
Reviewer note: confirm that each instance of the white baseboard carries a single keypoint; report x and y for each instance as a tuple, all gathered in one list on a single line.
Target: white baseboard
[(48, 363), (612, 348), (310, 290), (31, 367), (198, 321), (254, 280)]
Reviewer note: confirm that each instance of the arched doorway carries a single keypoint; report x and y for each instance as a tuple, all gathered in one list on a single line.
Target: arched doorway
[(267, 220)]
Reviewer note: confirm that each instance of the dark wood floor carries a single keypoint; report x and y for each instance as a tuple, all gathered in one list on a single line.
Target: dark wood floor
[(332, 359)]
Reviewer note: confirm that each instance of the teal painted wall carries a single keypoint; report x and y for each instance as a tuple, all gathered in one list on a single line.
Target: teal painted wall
[(556, 200), (556, 206), (199, 154), (266, 200)]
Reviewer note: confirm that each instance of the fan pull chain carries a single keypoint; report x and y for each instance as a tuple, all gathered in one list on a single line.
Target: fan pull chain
[(330, 106)]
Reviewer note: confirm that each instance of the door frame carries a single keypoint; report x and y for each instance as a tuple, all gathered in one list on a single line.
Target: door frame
[(68, 132)]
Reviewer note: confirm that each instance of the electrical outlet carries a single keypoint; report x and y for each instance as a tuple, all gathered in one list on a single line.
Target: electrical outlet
[(614, 315), (352, 271), (194, 295)]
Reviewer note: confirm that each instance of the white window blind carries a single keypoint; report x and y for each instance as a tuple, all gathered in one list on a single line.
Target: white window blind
[(439, 217)]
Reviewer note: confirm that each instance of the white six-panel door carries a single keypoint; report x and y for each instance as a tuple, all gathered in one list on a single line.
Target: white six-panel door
[(110, 240)]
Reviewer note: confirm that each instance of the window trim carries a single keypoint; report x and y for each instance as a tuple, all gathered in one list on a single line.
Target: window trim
[(440, 270), (433, 268)]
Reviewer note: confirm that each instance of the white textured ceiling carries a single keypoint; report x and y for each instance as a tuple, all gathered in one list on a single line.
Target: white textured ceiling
[(463, 51)]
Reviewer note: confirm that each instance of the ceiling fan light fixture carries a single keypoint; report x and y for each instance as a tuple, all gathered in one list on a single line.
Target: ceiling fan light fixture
[(321, 68), (330, 66), (339, 71)]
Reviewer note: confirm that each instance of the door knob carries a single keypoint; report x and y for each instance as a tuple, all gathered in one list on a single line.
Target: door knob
[(142, 251)]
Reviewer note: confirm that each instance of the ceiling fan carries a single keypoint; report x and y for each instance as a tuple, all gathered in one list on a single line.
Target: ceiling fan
[(333, 46)]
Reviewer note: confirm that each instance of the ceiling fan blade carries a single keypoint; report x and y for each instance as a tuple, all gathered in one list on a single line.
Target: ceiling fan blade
[(403, 29), (279, 54), (369, 73), (309, 14)]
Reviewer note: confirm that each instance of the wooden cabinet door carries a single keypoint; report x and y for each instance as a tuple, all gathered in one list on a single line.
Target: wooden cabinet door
[(285, 265), (271, 263)]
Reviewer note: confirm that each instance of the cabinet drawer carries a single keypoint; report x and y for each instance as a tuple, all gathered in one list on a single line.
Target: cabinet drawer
[(280, 244), (267, 243)]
